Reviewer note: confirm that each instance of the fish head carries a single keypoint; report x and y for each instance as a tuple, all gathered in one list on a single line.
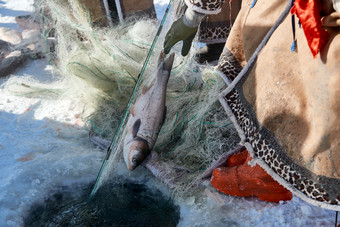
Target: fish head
[(139, 150)]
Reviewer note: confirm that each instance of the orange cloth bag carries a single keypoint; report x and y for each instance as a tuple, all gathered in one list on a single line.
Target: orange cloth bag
[(241, 179)]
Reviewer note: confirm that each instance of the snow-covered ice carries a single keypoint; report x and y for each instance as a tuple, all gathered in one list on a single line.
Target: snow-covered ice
[(44, 146)]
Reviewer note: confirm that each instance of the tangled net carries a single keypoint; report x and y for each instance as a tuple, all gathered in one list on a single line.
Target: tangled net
[(101, 66)]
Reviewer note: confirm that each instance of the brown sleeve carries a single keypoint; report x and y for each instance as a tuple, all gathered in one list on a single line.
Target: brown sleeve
[(233, 58), (235, 40)]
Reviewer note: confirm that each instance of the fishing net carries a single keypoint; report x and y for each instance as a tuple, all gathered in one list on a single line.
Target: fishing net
[(99, 67)]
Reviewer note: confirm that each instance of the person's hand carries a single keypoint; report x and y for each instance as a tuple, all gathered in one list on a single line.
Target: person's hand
[(179, 31), (331, 20)]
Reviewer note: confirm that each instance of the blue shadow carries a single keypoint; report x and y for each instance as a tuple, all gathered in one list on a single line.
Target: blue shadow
[(9, 25), (14, 13)]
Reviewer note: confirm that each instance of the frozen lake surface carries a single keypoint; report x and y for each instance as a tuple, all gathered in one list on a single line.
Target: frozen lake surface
[(45, 157)]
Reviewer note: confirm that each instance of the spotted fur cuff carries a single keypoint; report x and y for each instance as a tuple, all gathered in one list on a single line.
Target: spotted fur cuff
[(205, 6)]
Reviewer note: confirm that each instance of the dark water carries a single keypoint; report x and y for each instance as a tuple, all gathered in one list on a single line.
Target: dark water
[(116, 204)]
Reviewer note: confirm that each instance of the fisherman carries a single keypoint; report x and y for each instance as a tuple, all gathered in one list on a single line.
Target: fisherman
[(285, 109), (16, 47)]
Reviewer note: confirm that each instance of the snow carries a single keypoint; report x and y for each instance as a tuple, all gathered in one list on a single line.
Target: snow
[(44, 145), (10, 9)]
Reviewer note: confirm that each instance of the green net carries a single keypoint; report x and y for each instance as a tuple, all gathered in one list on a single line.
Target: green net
[(99, 67)]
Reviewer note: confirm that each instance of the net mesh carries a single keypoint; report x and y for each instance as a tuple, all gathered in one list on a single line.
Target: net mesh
[(99, 66)]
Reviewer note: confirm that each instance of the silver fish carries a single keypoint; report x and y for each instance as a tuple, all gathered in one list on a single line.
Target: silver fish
[(27, 22), (10, 35), (12, 62), (5, 49), (147, 116), (166, 171)]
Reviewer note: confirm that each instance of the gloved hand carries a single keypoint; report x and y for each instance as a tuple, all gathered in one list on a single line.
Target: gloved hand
[(183, 29), (179, 31)]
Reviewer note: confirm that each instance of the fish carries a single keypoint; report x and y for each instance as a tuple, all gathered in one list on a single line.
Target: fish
[(166, 171), (147, 116), (27, 22), (12, 62), (5, 49), (11, 36)]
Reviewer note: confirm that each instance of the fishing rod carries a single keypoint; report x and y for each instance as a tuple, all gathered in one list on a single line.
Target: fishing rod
[(114, 140)]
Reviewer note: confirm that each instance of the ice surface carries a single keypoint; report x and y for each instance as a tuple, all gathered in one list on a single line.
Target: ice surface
[(44, 147)]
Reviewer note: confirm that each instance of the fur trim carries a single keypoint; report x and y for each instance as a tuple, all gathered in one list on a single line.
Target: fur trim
[(201, 10), (225, 79), (265, 165), (209, 41)]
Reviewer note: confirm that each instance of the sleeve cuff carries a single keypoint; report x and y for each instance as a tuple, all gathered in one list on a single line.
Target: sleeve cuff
[(192, 18), (197, 6)]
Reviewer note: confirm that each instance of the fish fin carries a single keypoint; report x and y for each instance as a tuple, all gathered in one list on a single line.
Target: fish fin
[(135, 127), (132, 110), (161, 58)]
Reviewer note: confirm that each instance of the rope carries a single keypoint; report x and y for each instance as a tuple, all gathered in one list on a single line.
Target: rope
[(253, 4), (293, 47), (114, 140)]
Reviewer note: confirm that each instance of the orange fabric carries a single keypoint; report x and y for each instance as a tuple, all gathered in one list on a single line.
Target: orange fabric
[(237, 159), (244, 180), (308, 11)]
